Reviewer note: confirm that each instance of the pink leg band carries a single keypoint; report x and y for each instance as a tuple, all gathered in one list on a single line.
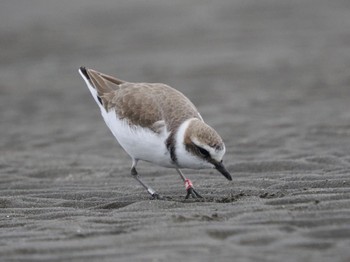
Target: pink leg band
[(188, 184)]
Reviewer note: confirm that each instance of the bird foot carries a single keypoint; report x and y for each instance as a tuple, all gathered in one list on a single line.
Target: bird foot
[(193, 193), (190, 190), (156, 196)]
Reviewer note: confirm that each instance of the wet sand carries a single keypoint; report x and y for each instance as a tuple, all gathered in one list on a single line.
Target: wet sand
[(272, 77)]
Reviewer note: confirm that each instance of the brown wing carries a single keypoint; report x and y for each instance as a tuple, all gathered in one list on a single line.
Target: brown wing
[(145, 104)]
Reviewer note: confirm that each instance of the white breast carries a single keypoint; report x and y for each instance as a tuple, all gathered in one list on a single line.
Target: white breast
[(140, 143)]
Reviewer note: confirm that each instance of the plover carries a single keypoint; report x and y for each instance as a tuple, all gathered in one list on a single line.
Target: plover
[(154, 122)]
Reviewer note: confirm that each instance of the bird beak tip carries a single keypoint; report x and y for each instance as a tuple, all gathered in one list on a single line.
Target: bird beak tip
[(222, 169)]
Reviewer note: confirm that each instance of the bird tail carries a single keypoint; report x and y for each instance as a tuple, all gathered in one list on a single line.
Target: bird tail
[(85, 75), (100, 85)]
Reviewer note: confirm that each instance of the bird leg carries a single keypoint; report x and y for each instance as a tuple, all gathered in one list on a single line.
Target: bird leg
[(135, 175), (189, 186)]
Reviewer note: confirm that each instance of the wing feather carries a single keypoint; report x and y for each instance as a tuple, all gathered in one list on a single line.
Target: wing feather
[(152, 105)]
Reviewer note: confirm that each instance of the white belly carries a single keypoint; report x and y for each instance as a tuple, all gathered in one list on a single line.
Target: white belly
[(140, 143)]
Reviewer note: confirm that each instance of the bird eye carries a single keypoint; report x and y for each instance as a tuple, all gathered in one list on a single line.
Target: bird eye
[(203, 151)]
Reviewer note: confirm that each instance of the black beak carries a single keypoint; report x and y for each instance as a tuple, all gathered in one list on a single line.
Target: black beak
[(222, 169)]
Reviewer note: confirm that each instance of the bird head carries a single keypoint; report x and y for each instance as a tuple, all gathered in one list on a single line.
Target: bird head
[(205, 145)]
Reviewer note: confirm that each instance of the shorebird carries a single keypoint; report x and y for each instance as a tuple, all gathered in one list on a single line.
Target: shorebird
[(156, 123)]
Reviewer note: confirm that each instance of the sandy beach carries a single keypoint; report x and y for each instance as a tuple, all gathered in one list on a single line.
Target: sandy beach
[(272, 77)]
